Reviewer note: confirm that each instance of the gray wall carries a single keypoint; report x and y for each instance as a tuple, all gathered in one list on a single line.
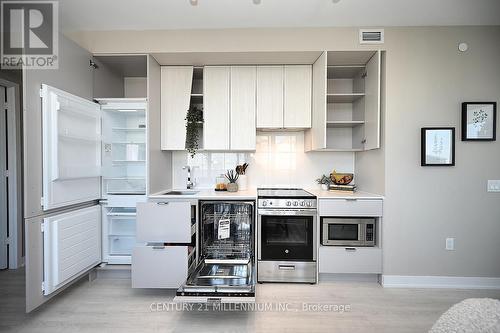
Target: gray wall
[(426, 81)]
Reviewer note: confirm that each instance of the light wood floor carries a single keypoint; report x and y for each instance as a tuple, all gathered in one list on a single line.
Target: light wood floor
[(110, 305)]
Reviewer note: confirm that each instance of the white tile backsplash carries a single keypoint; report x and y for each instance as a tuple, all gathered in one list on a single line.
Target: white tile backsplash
[(279, 160)]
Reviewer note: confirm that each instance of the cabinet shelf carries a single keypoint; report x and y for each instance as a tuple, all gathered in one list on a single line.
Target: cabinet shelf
[(343, 98), (345, 71), (129, 161), (129, 129), (128, 143), (343, 123)]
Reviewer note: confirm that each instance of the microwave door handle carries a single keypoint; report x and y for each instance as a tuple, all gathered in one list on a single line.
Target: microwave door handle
[(361, 233)]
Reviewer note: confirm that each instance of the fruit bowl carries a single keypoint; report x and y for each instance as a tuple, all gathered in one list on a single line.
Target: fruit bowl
[(341, 178)]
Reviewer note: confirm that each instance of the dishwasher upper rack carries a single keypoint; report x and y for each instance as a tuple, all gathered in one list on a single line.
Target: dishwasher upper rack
[(239, 244)]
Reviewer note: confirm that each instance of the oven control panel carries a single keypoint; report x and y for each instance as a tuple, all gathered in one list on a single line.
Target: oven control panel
[(287, 203)]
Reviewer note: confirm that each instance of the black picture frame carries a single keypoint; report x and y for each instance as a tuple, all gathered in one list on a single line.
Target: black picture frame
[(423, 146), (465, 121)]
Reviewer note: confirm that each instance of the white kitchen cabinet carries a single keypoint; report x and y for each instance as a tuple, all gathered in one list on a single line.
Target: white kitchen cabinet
[(350, 207), (159, 266), (372, 103), (297, 96), (176, 82), (346, 102), (269, 96), (216, 92), (164, 222), (350, 260), (243, 88)]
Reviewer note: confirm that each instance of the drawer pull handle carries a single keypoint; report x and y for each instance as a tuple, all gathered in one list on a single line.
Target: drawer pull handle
[(350, 249), (351, 199), (162, 203), (286, 267), (158, 247)]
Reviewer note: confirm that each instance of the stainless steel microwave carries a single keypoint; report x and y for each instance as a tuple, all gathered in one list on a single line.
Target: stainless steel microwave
[(348, 231)]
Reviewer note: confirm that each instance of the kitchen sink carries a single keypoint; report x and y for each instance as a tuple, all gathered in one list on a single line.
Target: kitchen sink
[(180, 192)]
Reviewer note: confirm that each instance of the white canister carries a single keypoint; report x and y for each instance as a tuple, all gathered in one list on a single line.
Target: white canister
[(242, 182)]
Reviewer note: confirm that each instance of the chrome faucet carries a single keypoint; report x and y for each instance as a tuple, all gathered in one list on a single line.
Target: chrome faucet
[(189, 184)]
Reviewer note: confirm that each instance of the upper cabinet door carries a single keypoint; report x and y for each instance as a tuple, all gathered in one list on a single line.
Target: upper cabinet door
[(269, 96), (297, 96), (317, 134), (71, 149), (176, 84), (216, 89), (243, 130), (372, 102)]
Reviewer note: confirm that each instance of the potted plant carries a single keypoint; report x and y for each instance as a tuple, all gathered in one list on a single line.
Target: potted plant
[(232, 176), (325, 182), (194, 118)]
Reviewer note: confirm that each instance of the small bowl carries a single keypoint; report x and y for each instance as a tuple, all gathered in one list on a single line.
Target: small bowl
[(341, 178)]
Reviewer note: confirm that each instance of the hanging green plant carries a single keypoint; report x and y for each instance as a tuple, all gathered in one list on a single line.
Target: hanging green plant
[(194, 118)]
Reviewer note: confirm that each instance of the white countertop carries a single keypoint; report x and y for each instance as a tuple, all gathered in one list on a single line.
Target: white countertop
[(251, 194), (321, 194), (204, 194)]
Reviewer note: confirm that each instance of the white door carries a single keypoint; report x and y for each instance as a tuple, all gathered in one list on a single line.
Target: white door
[(216, 81), (269, 96), (297, 96), (317, 133), (243, 130), (3, 181), (71, 149), (176, 82), (372, 102), (71, 246)]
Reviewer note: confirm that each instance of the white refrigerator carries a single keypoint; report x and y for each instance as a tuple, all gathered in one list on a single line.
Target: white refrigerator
[(94, 173)]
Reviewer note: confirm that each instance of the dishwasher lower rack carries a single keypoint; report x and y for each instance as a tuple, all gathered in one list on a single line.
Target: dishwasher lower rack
[(219, 281)]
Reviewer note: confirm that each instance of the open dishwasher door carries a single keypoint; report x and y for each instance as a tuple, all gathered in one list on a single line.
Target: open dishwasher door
[(226, 271)]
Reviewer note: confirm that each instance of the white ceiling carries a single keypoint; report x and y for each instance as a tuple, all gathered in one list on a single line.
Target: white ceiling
[(77, 15)]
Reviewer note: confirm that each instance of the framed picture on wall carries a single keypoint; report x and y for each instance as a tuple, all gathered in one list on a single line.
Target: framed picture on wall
[(479, 121), (438, 146)]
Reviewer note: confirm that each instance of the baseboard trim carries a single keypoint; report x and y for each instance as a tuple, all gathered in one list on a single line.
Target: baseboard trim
[(444, 282)]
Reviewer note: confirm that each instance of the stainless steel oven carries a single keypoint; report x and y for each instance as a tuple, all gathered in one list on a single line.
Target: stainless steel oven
[(287, 238), (348, 231)]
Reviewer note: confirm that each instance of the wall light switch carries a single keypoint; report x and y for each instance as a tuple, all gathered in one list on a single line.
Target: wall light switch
[(493, 185), (450, 244)]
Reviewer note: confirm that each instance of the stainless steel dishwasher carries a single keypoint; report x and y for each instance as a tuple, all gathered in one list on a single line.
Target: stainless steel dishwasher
[(226, 270)]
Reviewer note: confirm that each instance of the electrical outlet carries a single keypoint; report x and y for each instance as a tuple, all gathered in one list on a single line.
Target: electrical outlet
[(450, 244), (493, 185)]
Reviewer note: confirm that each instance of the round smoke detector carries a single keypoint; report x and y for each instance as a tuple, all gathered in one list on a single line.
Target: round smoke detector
[(462, 47)]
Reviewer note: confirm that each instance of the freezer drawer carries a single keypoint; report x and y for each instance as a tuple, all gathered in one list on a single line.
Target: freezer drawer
[(159, 266), (121, 245), (219, 282), (164, 222)]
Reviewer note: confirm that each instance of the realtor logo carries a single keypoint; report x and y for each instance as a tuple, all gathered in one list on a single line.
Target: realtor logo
[(29, 36)]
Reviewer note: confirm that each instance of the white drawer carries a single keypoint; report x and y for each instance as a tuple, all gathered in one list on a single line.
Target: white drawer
[(350, 260), (164, 222), (350, 207), (159, 266)]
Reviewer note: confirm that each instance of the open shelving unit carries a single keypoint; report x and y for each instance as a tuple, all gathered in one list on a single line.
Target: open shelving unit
[(346, 101), (196, 98)]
